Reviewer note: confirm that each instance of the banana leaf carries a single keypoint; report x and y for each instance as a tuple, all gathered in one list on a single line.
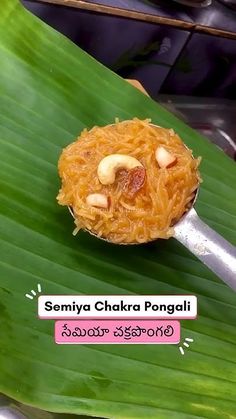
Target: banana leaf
[(49, 91)]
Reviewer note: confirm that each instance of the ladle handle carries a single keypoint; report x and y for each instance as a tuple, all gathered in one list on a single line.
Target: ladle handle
[(211, 248)]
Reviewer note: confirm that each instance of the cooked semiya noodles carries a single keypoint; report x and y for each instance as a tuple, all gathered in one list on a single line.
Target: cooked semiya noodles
[(143, 201)]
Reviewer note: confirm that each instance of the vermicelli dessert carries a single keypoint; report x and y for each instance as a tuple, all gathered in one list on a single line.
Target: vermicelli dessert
[(128, 182)]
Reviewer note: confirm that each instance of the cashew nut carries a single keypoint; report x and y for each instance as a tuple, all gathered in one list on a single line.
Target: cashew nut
[(164, 158), (97, 200), (108, 167)]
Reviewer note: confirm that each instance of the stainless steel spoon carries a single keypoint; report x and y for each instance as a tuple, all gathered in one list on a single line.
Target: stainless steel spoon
[(210, 247)]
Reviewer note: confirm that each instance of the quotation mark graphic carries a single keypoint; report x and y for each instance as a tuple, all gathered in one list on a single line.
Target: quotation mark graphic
[(185, 344), (33, 293)]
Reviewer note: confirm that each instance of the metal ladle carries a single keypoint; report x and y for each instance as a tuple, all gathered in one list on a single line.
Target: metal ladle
[(208, 246)]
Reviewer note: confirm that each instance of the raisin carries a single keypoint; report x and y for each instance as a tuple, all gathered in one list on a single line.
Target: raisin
[(135, 181)]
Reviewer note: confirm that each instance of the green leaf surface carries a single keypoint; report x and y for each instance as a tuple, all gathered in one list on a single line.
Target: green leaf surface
[(49, 91)]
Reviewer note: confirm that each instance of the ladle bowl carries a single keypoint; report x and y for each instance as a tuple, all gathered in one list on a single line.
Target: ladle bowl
[(205, 243)]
